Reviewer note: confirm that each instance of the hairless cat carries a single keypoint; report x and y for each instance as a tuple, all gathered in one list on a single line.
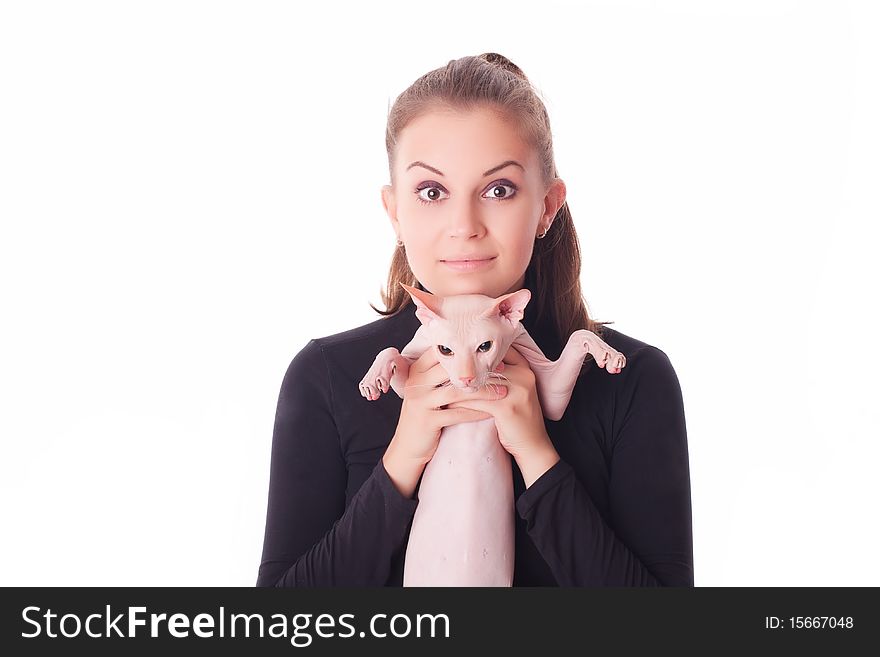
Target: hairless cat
[(462, 532)]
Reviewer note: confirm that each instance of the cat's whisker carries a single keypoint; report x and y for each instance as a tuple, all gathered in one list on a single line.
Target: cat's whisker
[(495, 385)]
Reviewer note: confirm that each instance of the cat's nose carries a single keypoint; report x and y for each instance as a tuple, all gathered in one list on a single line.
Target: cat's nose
[(467, 380)]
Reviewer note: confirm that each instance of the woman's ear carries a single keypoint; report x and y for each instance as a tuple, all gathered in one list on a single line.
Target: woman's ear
[(555, 198), (389, 202)]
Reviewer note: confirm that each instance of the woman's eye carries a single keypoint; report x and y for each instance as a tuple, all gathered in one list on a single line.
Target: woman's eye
[(433, 195), (504, 196), (433, 192)]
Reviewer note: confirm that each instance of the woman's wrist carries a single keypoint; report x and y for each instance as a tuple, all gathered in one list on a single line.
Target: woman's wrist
[(536, 462), (403, 471)]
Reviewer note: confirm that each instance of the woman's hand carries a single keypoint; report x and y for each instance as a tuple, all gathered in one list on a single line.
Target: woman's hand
[(428, 407), (518, 415)]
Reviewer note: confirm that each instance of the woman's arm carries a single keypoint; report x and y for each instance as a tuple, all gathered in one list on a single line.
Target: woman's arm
[(311, 539), (649, 492)]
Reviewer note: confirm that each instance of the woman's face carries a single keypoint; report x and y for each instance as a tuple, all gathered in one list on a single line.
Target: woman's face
[(457, 195)]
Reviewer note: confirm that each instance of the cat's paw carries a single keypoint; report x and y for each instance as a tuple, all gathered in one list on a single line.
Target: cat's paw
[(372, 389), (606, 356), (612, 360), (377, 380)]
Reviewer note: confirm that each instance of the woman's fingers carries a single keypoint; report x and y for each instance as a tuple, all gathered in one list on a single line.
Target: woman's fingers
[(424, 362), (513, 357), (438, 374), (452, 394), (456, 415)]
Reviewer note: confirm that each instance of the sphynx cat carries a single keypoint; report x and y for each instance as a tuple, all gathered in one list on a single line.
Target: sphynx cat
[(462, 532)]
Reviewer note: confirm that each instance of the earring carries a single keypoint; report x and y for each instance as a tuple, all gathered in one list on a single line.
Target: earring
[(399, 243), (544, 234)]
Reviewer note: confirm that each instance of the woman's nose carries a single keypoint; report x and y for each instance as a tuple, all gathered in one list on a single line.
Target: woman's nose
[(465, 222)]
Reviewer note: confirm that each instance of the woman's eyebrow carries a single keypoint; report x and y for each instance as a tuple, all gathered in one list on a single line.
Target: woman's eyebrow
[(418, 163)]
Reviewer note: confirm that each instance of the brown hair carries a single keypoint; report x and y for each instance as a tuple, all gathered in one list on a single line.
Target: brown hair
[(492, 81)]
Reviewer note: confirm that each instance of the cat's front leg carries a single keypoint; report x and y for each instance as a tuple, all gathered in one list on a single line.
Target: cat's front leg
[(581, 343), (389, 370), (606, 356), (555, 381)]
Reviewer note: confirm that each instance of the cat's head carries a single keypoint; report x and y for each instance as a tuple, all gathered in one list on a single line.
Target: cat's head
[(470, 332)]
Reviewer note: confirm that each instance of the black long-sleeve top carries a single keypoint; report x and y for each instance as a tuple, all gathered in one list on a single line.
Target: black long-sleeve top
[(614, 511)]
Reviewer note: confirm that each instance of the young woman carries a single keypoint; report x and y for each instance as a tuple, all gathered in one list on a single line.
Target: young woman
[(602, 495)]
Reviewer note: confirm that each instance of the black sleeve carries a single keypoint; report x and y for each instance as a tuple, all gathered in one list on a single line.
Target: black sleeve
[(649, 492), (310, 538)]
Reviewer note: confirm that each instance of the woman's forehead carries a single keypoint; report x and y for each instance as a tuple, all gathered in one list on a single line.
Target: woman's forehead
[(477, 128)]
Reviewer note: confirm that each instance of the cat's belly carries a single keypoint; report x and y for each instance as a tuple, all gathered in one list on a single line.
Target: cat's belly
[(463, 529)]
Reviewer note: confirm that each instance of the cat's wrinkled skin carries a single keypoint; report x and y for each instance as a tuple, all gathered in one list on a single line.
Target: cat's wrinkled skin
[(463, 529)]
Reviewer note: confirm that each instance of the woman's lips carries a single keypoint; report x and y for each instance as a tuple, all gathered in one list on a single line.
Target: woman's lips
[(466, 265)]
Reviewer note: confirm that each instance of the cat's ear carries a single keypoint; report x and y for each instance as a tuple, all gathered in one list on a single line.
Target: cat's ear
[(510, 306), (427, 305)]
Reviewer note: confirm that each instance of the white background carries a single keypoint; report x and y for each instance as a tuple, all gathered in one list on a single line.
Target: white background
[(189, 192)]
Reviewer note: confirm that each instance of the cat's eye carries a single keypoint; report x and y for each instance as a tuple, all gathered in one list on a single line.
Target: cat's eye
[(486, 346), (444, 350)]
